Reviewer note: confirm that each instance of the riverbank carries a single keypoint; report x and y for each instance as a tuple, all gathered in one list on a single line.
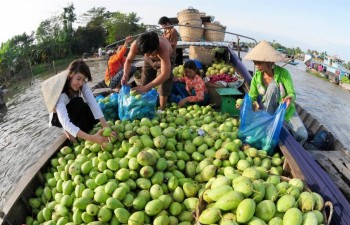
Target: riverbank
[(345, 86), (321, 75)]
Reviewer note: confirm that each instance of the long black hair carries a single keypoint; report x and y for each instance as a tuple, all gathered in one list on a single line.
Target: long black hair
[(190, 64), (77, 66)]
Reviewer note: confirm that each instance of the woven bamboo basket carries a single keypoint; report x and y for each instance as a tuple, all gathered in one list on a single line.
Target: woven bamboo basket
[(326, 216), (191, 33), (211, 35), (188, 14), (204, 55)]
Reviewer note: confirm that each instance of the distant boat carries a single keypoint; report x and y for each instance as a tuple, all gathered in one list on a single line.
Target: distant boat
[(331, 67), (289, 58)]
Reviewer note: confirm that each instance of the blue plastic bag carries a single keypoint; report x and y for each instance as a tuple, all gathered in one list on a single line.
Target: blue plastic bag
[(260, 129), (131, 107), (177, 93), (108, 105)]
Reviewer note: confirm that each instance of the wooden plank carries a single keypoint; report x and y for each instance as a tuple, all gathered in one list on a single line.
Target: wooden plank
[(344, 187), (328, 154), (295, 170), (338, 158), (344, 171)]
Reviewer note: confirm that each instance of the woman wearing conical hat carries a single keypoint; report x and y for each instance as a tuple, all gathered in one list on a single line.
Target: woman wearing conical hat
[(274, 85), (72, 105)]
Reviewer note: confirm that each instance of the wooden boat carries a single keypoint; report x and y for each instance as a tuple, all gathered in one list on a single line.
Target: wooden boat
[(331, 67), (298, 163)]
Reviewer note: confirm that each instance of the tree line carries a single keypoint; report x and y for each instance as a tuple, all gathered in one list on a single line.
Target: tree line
[(56, 39)]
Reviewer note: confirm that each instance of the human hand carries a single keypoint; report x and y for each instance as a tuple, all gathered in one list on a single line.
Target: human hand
[(99, 138), (124, 80), (140, 89), (256, 106), (238, 106), (182, 102), (128, 39), (108, 132), (287, 100)]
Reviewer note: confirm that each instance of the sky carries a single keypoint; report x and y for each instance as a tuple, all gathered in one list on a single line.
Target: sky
[(321, 25)]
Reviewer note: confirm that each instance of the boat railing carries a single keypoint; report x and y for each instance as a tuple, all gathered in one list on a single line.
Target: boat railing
[(239, 36)]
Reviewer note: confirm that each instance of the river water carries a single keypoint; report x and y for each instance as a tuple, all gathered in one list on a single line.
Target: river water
[(25, 135)]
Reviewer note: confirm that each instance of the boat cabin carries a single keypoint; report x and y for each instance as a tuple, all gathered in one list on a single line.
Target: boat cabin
[(333, 61)]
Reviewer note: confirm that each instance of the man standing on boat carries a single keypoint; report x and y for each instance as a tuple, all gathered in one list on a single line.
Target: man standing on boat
[(154, 49), (172, 35)]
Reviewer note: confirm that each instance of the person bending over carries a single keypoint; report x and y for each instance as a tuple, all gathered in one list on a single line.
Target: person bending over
[(154, 49)]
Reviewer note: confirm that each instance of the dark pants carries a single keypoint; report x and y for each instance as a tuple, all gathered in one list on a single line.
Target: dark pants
[(79, 114), (149, 74)]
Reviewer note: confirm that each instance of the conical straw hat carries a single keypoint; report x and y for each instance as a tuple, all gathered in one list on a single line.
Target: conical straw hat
[(264, 52), (52, 89)]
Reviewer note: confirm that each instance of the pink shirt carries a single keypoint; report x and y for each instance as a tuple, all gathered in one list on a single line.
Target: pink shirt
[(198, 85)]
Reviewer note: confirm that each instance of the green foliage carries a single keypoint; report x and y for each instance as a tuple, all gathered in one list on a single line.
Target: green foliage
[(56, 40), (121, 25), (345, 80)]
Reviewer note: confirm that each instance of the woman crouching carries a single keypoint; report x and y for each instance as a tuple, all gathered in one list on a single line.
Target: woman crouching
[(64, 95)]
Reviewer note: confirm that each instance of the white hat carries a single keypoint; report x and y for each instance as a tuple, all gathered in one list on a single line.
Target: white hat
[(264, 52), (52, 89)]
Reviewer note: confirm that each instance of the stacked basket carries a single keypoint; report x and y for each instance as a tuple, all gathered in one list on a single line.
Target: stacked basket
[(190, 17), (211, 35), (204, 55)]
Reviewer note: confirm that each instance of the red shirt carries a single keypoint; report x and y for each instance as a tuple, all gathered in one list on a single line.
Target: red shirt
[(198, 85), (115, 63)]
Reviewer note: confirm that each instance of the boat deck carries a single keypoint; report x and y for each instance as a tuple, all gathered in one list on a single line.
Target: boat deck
[(337, 163)]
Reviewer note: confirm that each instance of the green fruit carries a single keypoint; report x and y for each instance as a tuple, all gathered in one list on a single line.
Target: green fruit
[(245, 210), (104, 214), (191, 203), (210, 216), (120, 193), (106, 131), (217, 193), (122, 215), (100, 179), (139, 202), (92, 209), (190, 190), (285, 202), (229, 200), (153, 207), (137, 218), (265, 210), (293, 216), (175, 208), (306, 201), (101, 196), (143, 183), (145, 158)]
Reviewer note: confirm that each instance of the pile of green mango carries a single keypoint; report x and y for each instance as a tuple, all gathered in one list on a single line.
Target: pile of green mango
[(185, 166)]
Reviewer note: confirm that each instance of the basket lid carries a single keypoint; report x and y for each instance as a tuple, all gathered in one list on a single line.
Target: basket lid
[(189, 10)]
